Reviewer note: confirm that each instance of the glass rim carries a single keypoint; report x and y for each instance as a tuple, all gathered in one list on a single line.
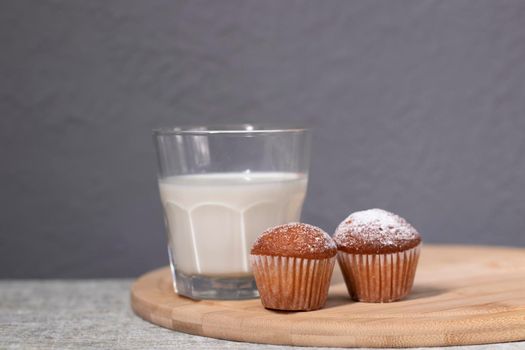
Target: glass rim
[(235, 129)]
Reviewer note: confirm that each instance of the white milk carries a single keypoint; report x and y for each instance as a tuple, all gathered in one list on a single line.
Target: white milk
[(213, 219)]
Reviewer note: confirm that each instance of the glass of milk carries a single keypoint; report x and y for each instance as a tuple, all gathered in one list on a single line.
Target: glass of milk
[(220, 187)]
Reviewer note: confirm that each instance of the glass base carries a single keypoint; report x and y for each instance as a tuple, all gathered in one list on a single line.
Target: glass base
[(213, 287)]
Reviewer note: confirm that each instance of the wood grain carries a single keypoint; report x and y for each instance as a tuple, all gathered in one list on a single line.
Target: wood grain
[(462, 295)]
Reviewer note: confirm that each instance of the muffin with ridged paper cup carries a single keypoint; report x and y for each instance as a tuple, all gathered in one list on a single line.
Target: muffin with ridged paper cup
[(378, 253), (292, 265)]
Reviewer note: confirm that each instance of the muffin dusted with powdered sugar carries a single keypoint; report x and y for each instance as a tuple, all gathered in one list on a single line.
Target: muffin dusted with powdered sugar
[(375, 231), (293, 265), (378, 253)]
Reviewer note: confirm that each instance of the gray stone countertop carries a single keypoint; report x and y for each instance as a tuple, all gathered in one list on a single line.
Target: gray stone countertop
[(96, 314)]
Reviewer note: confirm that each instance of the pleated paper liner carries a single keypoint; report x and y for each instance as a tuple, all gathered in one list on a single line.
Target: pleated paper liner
[(287, 283), (379, 278)]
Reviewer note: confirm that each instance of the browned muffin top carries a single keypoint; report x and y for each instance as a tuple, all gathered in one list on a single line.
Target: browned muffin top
[(375, 231), (295, 240)]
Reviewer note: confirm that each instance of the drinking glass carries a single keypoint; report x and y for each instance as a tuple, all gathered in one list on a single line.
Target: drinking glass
[(220, 187)]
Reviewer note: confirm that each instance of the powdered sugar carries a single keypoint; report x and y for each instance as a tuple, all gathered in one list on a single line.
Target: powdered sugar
[(375, 226)]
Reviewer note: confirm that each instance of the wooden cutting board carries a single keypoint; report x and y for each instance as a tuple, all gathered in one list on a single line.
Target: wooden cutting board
[(462, 295)]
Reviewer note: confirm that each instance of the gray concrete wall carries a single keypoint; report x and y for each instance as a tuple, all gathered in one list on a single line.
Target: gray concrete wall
[(418, 107)]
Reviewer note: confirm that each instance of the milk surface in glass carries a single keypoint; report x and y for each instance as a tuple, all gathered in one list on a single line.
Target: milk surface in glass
[(214, 218)]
